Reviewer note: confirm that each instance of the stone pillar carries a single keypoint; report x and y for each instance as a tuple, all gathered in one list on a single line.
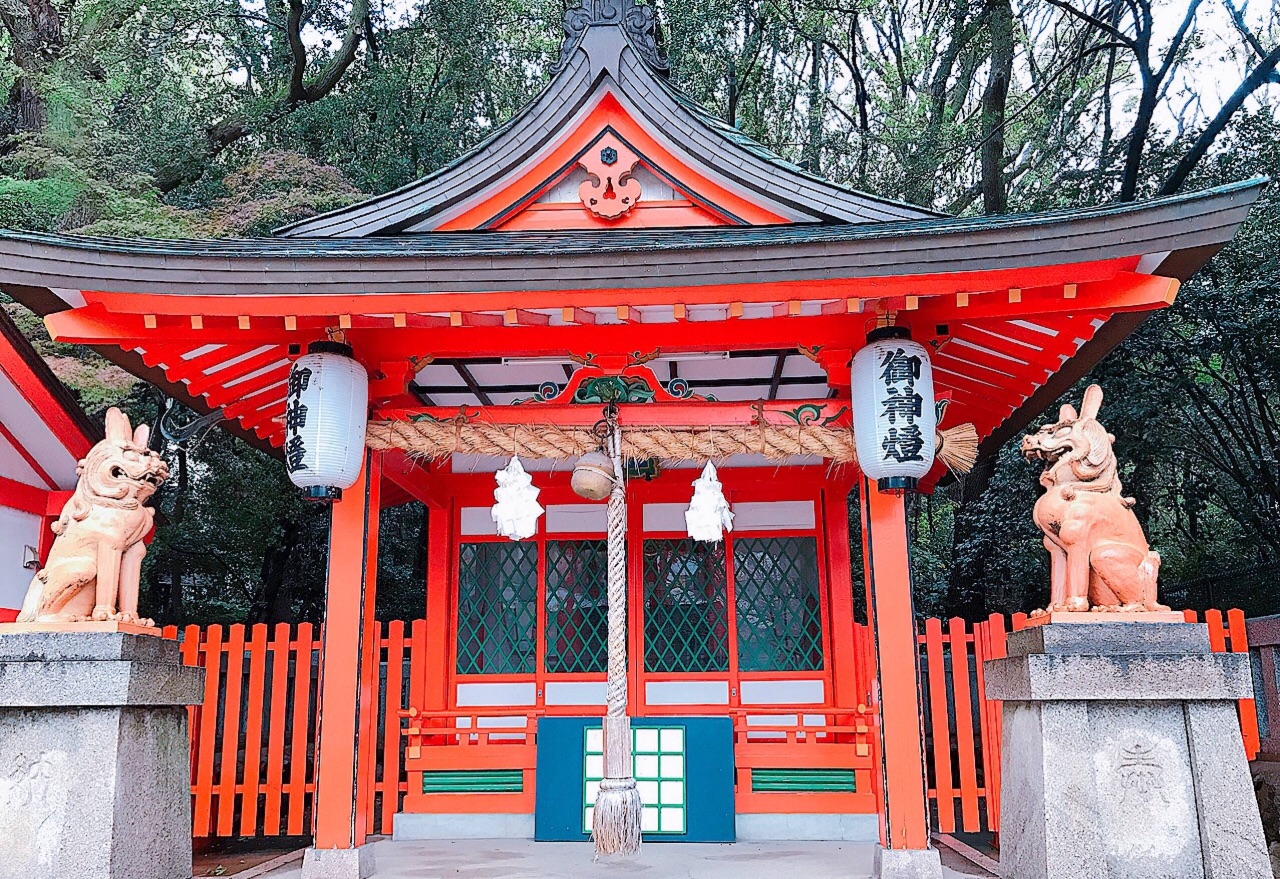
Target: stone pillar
[(95, 778), (1122, 755)]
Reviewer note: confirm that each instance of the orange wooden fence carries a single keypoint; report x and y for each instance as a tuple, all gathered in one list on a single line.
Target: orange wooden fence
[(252, 759), (962, 728), (252, 739)]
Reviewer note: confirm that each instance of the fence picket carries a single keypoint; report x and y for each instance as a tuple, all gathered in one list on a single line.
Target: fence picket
[(939, 731), (1247, 707), (233, 693), (203, 806), (276, 730), (391, 725), (965, 746), (301, 729), (255, 704)]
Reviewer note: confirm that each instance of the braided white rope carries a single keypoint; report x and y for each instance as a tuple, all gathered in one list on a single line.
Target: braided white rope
[(616, 697)]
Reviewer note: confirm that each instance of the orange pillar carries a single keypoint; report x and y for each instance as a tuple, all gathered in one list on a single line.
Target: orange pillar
[(348, 665), (904, 817), (441, 558)]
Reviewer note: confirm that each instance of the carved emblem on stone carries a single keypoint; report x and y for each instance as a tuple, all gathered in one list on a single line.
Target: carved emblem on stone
[(96, 558), (1099, 555), (1141, 772), (611, 191)]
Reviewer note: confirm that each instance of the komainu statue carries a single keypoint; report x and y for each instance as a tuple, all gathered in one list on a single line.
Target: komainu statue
[(96, 558), (1099, 555)]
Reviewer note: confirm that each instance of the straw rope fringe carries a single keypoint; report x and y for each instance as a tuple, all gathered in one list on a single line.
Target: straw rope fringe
[(957, 448)]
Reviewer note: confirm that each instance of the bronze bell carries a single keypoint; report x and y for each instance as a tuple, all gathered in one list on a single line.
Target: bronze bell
[(593, 476)]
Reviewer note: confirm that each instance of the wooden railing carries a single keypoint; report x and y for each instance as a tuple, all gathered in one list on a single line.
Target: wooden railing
[(258, 779)]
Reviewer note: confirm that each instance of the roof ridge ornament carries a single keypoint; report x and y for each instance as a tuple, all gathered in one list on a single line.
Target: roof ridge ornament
[(638, 22)]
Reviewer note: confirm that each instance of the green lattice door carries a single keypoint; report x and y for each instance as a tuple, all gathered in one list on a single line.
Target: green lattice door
[(686, 626), (776, 593), (577, 606), (497, 608)]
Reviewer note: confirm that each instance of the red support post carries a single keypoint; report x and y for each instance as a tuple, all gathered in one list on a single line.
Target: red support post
[(904, 815), (347, 705), (438, 677)]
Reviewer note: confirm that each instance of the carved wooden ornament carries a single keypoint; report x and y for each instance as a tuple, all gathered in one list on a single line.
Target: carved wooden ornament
[(611, 191)]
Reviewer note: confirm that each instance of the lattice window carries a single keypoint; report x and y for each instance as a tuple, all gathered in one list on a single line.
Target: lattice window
[(657, 763), (497, 608), (686, 607), (775, 583), (577, 606)]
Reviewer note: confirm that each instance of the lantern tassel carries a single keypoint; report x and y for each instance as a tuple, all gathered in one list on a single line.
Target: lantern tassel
[(958, 447)]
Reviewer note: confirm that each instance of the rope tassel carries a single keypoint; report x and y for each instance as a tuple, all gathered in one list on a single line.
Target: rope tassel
[(615, 822)]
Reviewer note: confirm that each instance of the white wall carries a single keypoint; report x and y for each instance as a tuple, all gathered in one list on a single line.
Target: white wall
[(17, 530)]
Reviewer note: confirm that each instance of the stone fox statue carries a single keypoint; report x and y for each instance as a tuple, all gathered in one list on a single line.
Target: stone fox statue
[(1099, 555), (96, 557)]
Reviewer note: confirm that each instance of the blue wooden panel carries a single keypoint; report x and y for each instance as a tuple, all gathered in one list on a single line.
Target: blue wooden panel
[(708, 770)]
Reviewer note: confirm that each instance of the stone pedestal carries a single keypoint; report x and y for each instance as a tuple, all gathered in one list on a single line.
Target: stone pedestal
[(1122, 755), (94, 756)]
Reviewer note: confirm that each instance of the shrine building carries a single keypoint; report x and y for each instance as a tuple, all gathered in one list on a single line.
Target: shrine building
[(616, 244)]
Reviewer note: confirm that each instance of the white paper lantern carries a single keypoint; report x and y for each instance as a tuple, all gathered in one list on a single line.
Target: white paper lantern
[(324, 420), (708, 516), (894, 418), (516, 510)]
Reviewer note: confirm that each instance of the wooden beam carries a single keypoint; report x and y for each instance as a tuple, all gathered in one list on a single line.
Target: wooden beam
[(1129, 291), (778, 365), (472, 384)]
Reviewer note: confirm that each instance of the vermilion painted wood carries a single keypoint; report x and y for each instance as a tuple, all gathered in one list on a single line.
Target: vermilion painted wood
[(606, 112), (905, 812), (233, 691), (95, 323), (274, 787), (965, 746), (256, 705), (202, 808), (845, 680), (1217, 632), (935, 667), (302, 648), (190, 653), (393, 704), (343, 738), (1248, 707), (19, 496), (989, 637), (433, 667)]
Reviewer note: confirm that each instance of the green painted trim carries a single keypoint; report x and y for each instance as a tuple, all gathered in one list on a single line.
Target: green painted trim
[(803, 781), (473, 781)]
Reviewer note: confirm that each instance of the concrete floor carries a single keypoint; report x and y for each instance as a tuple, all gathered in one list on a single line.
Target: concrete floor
[(523, 859)]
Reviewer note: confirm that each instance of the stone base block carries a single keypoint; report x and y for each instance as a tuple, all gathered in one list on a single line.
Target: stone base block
[(93, 741), (1122, 756), (906, 863), (493, 825), (338, 863), (776, 827)]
